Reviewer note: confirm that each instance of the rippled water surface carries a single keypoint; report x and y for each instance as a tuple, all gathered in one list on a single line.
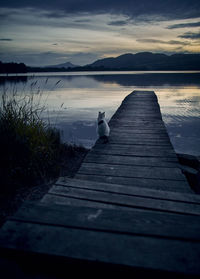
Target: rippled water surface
[(74, 99)]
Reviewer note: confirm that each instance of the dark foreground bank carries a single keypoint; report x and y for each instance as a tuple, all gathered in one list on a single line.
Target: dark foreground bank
[(12, 195), (32, 153)]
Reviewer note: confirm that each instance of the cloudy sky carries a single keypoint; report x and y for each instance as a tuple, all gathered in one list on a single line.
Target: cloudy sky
[(41, 32)]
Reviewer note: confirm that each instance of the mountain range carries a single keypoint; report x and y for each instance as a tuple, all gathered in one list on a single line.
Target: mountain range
[(149, 61), (142, 61), (63, 65)]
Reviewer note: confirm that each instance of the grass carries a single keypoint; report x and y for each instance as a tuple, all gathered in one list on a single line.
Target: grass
[(31, 150)]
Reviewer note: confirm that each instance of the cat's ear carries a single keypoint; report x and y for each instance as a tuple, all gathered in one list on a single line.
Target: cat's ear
[(99, 113), (104, 113)]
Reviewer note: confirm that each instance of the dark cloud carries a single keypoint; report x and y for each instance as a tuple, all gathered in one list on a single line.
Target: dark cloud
[(6, 39), (175, 42), (86, 20), (183, 25), (118, 22), (149, 41), (190, 35), (170, 9), (171, 42)]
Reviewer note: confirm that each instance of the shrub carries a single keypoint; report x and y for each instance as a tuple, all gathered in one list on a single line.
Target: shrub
[(29, 147)]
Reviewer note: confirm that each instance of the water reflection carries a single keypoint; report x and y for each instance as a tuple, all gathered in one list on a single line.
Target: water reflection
[(151, 79), (12, 79), (73, 101)]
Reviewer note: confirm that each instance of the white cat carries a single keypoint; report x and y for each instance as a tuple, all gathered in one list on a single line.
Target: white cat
[(103, 129)]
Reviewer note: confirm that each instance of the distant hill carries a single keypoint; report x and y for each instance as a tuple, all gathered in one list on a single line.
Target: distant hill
[(63, 65), (142, 61), (149, 61)]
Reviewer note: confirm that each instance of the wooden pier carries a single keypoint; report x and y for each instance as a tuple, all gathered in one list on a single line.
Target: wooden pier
[(139, 152), (129, 208)]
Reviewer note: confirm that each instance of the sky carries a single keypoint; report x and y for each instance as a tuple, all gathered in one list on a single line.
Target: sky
[(41, 33)]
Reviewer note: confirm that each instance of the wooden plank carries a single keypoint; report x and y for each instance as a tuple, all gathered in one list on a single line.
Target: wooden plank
[(132, 160), (132, 171), (143, 102), (132, 111), (133, 150), (135, 122), (126, 201), (70, 201), (134, 134), (131, 141), (132, 147), (141, 118), (140, 222), (126, 127), (136, 125), (128, 140), (157, 184), (104, 247), (139, 110), (137, 129), (124, 122), (141, 99), (130, 130), (150, 117), (128, 190), (139, 133), (140, 139)]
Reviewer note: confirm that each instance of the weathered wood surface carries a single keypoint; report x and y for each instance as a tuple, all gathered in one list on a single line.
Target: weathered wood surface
[(158, 184), (129, 206), (135, 171), (139, 152), (128, 190), (148, 240), (140, 222), (126, 199)]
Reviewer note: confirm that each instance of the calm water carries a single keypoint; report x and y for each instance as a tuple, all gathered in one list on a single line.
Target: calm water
[(74, 99)]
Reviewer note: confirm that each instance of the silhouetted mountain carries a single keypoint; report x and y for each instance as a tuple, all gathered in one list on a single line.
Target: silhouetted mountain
[(63, 65), (143, 61), (149, 61)]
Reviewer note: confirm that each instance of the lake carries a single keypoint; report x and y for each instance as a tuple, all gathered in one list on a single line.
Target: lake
[(73, 100)]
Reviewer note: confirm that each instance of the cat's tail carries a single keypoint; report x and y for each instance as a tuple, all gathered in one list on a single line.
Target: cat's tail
[(104, 139)]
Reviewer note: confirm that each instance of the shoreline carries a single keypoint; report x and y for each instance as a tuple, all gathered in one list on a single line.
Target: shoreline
[(97, 72), (10, 202)]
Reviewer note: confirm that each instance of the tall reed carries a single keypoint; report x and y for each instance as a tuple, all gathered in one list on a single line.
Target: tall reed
[(29, 146)]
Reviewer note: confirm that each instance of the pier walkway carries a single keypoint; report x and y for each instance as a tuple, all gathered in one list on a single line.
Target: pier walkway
[(139, 152), (128, 209)]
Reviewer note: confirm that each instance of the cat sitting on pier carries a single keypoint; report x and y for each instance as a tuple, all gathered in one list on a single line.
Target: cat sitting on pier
[(103, 129)]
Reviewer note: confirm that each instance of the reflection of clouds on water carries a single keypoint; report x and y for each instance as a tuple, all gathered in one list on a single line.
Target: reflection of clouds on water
[(74, 102), (184, 133), (79, 132)]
